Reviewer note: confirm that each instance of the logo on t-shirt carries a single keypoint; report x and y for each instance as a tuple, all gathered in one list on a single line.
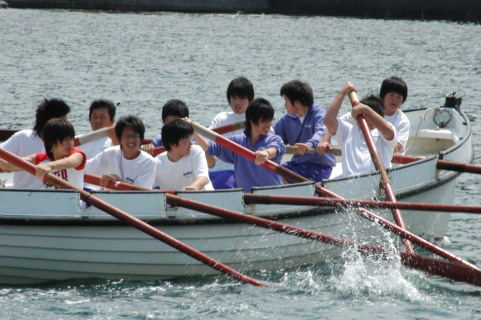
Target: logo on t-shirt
[(188, 173)]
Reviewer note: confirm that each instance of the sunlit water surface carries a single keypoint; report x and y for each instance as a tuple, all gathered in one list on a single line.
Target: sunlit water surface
[(142, 60)]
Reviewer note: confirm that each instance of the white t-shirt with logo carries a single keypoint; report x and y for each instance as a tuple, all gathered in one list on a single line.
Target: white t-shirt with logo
[(176, 175)]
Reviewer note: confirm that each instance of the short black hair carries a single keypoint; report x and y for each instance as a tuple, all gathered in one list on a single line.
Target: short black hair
[(56, 129), (103, 103), (375, 103), (240, 87), (297, 90), (258, 109), (48, 109), (175, 130), (176, 108), (132, 122), (394, 84)]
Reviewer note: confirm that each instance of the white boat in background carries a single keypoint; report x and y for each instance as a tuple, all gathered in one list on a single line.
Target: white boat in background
[(52, 235)]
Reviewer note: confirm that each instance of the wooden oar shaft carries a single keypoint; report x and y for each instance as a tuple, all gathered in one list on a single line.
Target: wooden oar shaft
[(445, 269), (251, 198), (289, 175), (177, 201), (441, 164), (133, 221), (92, 136), (295, 150), (379, 165), (230, 127)]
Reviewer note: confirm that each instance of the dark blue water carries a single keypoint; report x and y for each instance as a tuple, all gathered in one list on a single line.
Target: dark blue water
[(142, 60)]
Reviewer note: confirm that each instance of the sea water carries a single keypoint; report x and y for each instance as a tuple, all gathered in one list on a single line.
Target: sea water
[(142, 60)]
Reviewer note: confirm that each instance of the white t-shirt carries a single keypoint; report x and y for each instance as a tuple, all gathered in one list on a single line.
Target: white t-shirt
[(176, 175), (356, 158), (24, 143), (139, 171), (93, 148), (399, 120), (222, 119), (402, 125)]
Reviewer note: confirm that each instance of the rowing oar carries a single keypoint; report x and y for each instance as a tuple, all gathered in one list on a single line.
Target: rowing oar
[(289, 175), (376, 159), (441, 164), (133, 221), (177, 201), (250, 198), (295, 150), (445, 269), (93, 136)]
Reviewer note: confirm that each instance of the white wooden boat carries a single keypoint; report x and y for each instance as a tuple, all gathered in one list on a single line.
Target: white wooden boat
[(51, 235)]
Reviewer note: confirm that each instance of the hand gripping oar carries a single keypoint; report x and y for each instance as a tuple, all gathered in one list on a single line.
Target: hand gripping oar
[(289, 175), (441, 164), (376, 158), (450, 270), (133, 221)]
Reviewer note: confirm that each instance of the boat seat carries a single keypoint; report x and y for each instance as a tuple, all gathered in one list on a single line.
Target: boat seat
[(437, 134)]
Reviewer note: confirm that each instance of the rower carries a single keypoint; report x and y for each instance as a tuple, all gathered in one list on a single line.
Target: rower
[(302, 127), (183, 166), (356, 158), (256, 137), (240, 94), (101, 115), (126, 162), (26, 142), (60, 159)]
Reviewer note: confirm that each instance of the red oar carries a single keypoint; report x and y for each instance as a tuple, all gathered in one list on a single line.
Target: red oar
[(347, 204), (177, 201), (289, 175), (376, 158), (450, 270), (220, 130), (441, 164), (131, 220)]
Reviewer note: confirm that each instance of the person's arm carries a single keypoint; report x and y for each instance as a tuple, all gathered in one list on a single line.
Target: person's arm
[(201, 141), (74, 160), (330, 119), (324, 145), (198, 184), (111, 134), (8, 167), (265, 154), (377, 121)]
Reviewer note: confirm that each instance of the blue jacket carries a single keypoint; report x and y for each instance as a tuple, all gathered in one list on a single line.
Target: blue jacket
[(291, 130), (247, 173)]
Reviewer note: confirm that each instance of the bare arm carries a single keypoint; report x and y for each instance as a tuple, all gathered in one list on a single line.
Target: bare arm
[(324, 144), (376, 120), (330, 118)]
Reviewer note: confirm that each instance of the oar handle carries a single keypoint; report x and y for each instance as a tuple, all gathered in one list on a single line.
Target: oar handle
[(336, 151), (93, 136)]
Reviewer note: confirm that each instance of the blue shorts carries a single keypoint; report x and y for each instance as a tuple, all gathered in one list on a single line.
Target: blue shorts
[(311, 171), (223, 179)]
